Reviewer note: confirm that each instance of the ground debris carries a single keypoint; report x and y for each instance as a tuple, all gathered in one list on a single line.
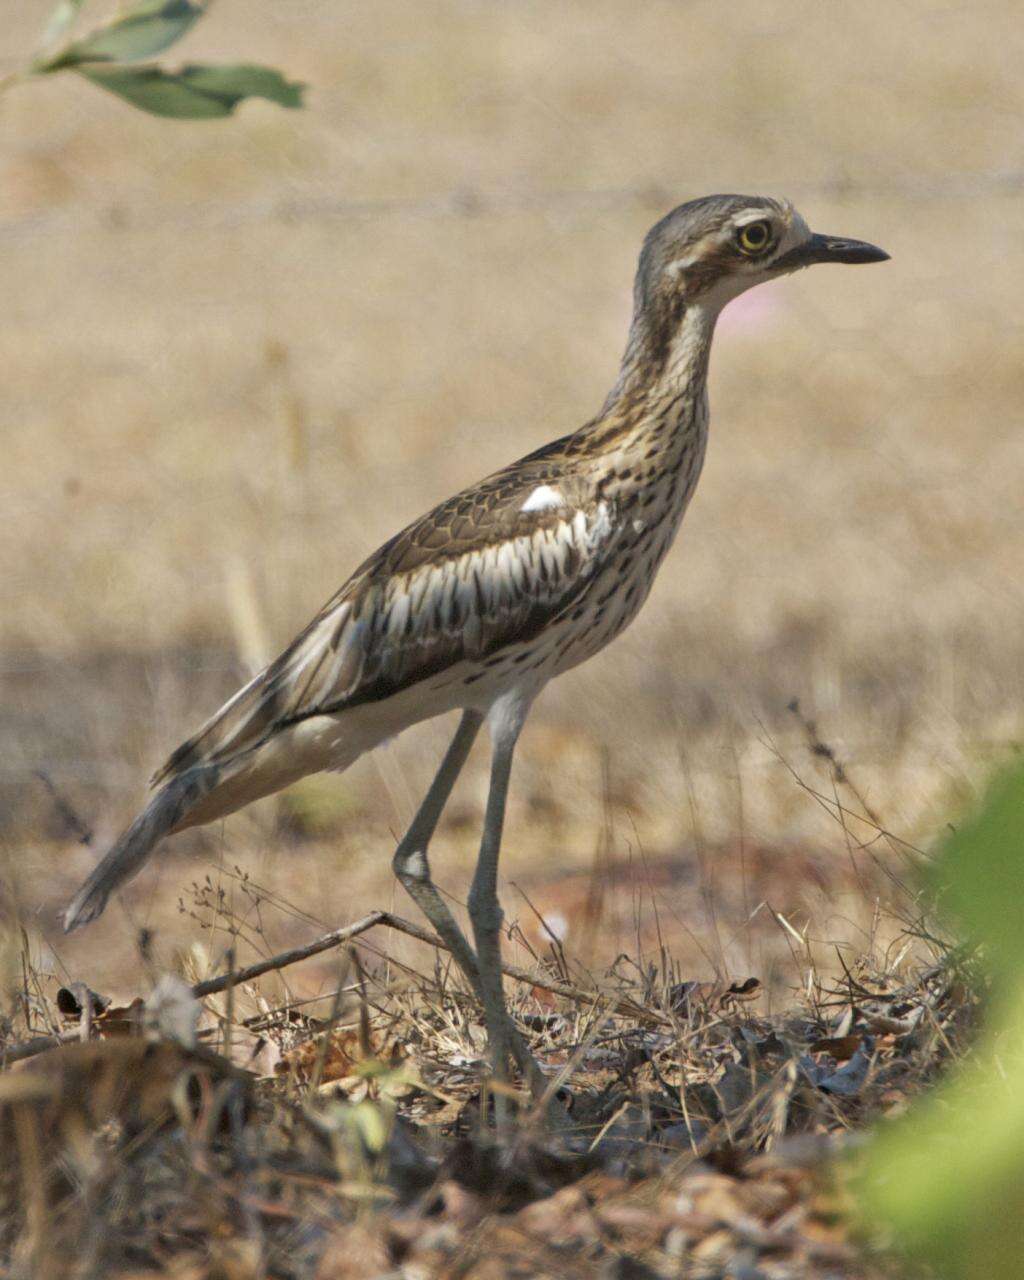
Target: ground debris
[(701, 1138)]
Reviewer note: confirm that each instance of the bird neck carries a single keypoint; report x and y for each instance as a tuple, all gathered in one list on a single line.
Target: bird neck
[(668, 350), (660, 395)]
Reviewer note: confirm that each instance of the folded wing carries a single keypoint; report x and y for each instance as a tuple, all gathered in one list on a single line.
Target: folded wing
[(489, 568)]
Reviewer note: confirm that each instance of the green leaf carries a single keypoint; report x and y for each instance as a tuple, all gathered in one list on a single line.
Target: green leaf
[(60, 20), (372, 1124), (947, 1179), (979, 874), (243, 80), (144, 31), (194, 92)]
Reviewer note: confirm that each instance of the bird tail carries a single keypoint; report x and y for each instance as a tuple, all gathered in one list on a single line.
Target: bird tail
[(165, 812)]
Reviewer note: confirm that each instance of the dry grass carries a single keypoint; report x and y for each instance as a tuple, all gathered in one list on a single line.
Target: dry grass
[(238, 356), (257, 1134)]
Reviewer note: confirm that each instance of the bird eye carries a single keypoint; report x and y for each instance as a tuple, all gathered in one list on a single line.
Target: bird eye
[(754, 237)]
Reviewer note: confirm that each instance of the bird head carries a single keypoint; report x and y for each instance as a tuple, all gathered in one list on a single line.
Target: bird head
[(708, 251), (726, 244)]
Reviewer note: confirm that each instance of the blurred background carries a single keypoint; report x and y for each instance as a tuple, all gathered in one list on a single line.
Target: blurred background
[(237, 355)]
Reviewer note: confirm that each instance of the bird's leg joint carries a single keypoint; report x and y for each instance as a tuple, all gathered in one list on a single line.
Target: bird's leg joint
[(410, 863)]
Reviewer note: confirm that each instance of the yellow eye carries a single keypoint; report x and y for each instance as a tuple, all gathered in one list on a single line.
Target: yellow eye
[(755, 237)]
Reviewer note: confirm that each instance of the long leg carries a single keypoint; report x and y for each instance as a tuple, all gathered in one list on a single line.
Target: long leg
[(412, 868), (484, 908), (410, 861)]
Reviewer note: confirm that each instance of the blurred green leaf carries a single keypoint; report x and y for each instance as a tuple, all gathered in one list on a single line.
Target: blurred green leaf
[(372, 1123), (980, 875), (61, 20), (194, 92), (947, 1180), (142, 32), (243, 80)]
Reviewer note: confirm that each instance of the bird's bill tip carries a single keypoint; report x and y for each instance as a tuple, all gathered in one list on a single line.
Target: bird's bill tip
[(841, 249)]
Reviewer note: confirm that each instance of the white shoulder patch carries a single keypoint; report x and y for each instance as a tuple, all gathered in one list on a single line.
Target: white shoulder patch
[(543, 498)]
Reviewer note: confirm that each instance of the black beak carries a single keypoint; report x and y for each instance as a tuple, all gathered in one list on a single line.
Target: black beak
[(830, 249)]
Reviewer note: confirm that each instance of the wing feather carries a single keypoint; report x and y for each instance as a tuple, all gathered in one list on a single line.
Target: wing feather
[(475, 575)]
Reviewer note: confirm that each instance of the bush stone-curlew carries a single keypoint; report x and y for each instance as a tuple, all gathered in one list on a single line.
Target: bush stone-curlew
[(477, 605)]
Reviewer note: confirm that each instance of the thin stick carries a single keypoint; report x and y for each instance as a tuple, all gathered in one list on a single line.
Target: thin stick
[(628, 1008), (333, 939), (229, 1008)]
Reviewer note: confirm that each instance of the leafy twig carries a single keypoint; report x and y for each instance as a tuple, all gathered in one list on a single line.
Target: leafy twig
[(112, 56)]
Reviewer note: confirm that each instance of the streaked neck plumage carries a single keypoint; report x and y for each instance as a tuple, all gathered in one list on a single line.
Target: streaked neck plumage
[(658, 406)]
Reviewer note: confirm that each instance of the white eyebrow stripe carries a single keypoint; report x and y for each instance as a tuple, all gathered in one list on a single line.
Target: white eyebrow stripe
[(755, 215), (543, 498)]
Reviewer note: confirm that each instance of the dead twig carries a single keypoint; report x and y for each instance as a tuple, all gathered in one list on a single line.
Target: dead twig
[(333, 939), (211, 986), (622, 1005), (626, 1007)]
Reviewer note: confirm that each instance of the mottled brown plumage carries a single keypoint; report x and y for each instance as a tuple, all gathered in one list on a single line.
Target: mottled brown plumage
[(479, 603)]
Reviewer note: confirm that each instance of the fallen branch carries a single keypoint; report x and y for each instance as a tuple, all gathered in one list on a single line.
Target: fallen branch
[(211, 986), (628, 1008), (333, 939)]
